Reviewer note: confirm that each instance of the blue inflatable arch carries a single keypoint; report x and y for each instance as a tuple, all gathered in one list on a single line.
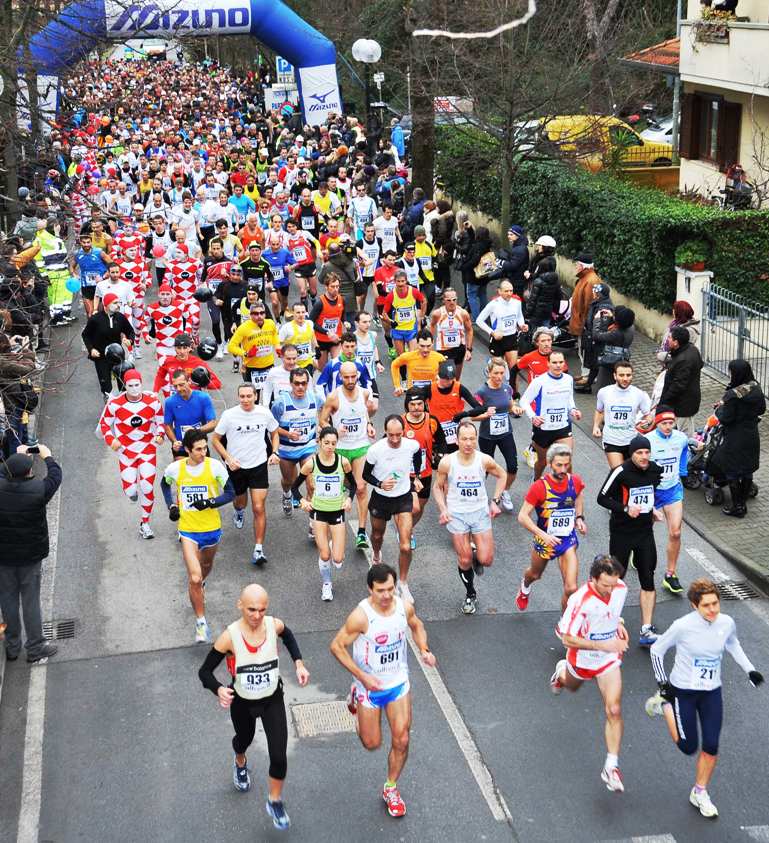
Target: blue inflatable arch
[(85, 24)]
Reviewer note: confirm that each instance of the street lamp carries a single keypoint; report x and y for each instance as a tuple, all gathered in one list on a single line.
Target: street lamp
[(369, 52)]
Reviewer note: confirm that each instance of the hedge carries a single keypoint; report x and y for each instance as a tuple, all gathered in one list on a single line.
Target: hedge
[(633, 232)]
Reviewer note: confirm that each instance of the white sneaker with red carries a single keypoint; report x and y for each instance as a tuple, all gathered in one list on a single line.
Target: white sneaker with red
[(613, 779), (396, 807), (352, 700), (522, 600), (555, 683)]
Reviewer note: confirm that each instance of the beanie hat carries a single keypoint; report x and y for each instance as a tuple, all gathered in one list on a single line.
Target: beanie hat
[(19, 465), (624, 316), (165, 288), (109, 299), (638, 443), (515, 229), (131, 375)]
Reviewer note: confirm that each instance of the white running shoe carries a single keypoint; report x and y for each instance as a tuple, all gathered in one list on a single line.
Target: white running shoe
[(327, 592), (238, 518), (505, 501), (145, 531), (613, 779), (653, 705), (703, 803), (555, 682), (405, 593), (220, 352), (202, 632)]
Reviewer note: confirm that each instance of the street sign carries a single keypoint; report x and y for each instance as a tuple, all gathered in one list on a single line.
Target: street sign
[(284, 70), (378, 78)]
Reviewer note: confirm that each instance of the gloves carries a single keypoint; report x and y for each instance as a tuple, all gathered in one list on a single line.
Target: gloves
[(756, 678), (205, 503), (173, 512), (666, 691), (252, 351)]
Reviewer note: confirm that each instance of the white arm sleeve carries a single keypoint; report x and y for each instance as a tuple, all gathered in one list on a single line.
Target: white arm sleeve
[(738, 654)]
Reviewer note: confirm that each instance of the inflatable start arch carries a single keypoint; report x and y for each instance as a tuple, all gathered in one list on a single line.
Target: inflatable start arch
[(84, 24)]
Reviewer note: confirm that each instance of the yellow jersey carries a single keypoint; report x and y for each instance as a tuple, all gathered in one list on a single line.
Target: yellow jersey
[(302, 338), (425, 254), (195, 488), (248, 336)]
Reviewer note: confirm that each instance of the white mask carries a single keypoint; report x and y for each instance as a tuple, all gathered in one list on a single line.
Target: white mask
[(133, 388)]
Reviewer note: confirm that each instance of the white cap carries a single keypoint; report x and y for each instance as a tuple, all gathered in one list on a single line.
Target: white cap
[(546, 240)]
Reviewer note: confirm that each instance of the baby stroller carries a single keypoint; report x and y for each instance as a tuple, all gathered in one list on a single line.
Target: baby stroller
[(560, 326), (701, 449)]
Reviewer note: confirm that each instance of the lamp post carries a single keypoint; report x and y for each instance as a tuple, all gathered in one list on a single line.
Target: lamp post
[(369, 52)]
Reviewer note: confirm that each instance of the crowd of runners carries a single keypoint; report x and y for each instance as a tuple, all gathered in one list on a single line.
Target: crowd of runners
[(202, 228)]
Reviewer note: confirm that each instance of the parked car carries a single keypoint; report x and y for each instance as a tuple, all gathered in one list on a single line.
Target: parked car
[(659, 131)]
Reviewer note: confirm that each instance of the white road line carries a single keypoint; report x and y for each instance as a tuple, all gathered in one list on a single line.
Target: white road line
[(32, 780), (757, 832), (651, 838), (481, 773)]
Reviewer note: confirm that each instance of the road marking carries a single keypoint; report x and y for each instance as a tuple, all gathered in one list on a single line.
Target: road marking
[(32, 780), (481, 773), (757, 832), (651, 838)]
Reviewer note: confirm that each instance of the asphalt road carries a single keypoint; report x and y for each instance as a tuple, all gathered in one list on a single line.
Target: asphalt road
[(115, 740)]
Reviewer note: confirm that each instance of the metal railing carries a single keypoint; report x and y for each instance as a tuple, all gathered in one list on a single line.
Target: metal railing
[(734, 328)]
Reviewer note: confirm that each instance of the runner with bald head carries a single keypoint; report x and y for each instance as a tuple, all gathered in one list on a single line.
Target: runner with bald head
[(256, 690)]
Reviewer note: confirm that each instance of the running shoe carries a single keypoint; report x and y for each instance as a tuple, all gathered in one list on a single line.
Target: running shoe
[(392, 353), (653, 706), (295, 502), (236, 365), (470, 606), (413, 542), (133, 497), (396, 807), (405, 593), (505, 501), (530, 457), (352, 700), (287, 505), (613, 779), (220, 352), (238, 517), (145, 531), (202, 632), (672, 584), (46, 651), (280, 818), (327, 592), (479, 569), (555, 683), (240, 777), (258, 559), (702, 801), (648, 635), (522, 600), (361, 540)]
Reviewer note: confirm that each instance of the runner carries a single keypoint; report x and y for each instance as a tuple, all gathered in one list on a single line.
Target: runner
[(348, 410), (502, 319), (165, 321), (327, 502), (403, 311), (89, 265), (376, 629), (132, 425), (496, 429), (452, 328), (549, 402), (329, 378), (393, 465), (536, 361), (369, 252), (465, 509), (279, 377), (185, 360), (300, 332), (281, 264), (670, 451), (384, 279), (257, 272), (327, 315), (446, 398), (366, 351), (256, 342), (302, 245), (408, 264), (246, 459), (693, 691), (421, 366), (362, 209), (425, 253), (594, 634), (628, 494), (186, 409), (559, 504), (387, 230), (184, 276), (617, 409), (256, 690), (202, 486)]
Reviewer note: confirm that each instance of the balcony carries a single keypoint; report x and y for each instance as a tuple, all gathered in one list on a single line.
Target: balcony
[(735, 60)]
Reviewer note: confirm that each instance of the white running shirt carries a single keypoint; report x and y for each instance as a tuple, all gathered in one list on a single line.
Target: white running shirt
[(245, 434), (552, 398), (393, 462), (382, 649), (621, 408), (503, 316), (466, 485)]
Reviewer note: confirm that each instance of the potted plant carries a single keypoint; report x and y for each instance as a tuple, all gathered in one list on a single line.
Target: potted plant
[(692, 254), (714, 25)]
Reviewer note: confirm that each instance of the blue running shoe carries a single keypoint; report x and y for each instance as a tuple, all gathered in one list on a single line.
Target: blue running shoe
[(240, 777), (280, 818)]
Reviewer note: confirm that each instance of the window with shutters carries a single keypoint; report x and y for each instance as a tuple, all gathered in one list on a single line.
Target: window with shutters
[(710, 129)]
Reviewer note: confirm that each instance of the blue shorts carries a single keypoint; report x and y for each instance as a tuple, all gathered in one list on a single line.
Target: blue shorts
[(380, 699), (297, 456), (663, 497), (208, 538), (404, 336), (280, 284), (546, 552)]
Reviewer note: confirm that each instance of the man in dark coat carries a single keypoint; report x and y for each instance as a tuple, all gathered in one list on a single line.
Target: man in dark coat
[(514, 260), (24, 528), (681, 387)]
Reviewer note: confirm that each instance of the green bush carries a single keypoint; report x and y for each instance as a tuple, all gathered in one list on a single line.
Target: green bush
[(633, 232)]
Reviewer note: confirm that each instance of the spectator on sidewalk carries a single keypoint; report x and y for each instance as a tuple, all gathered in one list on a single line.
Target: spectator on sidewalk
[(738, 456), (681, 387), (514, 259), (473, 275), (613, 343), (599, 314), (683, 315), (24, 528), (581, 299)]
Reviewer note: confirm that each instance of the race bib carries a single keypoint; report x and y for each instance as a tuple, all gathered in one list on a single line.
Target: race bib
[(668, 465), (621, 413), (258, 377), (469, 488), (352, 424), (556, 417), (499, 424), (450, 339), (92, 279), (706, 673), (253, 681), (426, 262), (509, 323), (308, 223), (404, 314), (641, 496), (450, 431), (277, 273), (301, 426), (189, 493), (561, 522), (329, 326), (298, 254), (303, 349), (388, 657), (328, 487)]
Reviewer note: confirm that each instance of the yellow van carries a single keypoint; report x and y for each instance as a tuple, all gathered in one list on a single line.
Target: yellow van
[(595, 140)]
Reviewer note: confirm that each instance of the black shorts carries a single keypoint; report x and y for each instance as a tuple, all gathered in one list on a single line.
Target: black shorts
[(643, 549), (306, 270), (360, 288), (324, 345), (249, 478), (497, 348), (456, 354), (383, 508), (506, 445), (335, 517), (246, 374), (427, 484), (616, 449), (545, 438), (88, 293)]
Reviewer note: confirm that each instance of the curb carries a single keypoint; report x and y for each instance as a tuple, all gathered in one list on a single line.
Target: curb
[(752, 570)]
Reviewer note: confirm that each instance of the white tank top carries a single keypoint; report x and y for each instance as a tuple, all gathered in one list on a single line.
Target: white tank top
[(365, 353), (467, 485), (256, 674), (450, 331), (354, 416), (382, 649)]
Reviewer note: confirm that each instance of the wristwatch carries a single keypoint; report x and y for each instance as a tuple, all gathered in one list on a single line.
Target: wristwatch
[(496, 500)]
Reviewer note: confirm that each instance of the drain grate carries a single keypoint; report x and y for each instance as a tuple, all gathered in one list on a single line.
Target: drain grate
[(59, 630), (326, 718), (736, 590)]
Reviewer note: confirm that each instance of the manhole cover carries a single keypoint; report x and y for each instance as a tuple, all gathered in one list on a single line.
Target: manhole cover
[(736, 590), (58, 630), (326, 718)]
